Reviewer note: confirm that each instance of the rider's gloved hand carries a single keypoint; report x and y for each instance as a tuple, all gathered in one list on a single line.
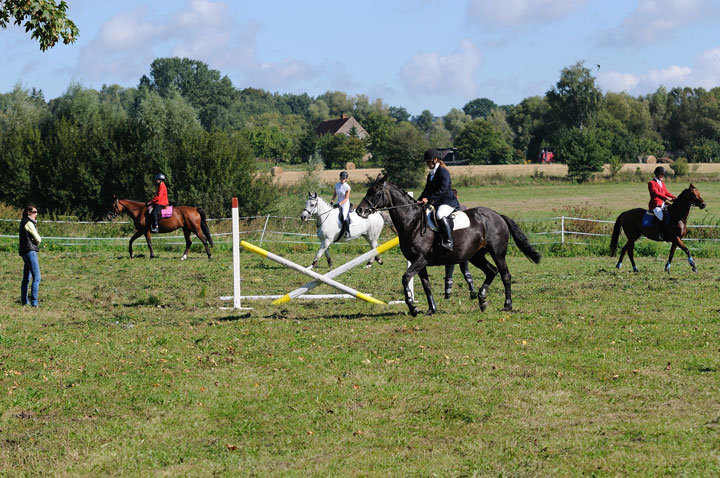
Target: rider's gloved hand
[(336, 205)]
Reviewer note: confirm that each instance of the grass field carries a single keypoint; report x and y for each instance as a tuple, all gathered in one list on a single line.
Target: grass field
[(130, 367)]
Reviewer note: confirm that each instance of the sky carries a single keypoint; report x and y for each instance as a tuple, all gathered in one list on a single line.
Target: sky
[(418, 54)]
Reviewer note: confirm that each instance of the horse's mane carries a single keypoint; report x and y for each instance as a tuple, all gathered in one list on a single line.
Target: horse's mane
[(681, 196), (402, 190)]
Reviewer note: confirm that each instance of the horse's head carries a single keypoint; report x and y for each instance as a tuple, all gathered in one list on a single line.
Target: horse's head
[(311, 206), (115, 208), (696, 198), (377, 196)]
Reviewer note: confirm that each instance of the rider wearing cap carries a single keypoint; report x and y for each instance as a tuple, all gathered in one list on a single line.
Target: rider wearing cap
[(438, 192), (342, 193), (158, 202), (658, 195)]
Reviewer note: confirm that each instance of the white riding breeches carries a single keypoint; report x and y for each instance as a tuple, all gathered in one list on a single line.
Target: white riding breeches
[(444, 211), (659, 212), (344, 210)]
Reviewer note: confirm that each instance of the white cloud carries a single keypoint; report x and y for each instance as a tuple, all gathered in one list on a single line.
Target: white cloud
[(616, 81), (203, 30), (519, 13), (703, 73), (433, 73), (654, 20)]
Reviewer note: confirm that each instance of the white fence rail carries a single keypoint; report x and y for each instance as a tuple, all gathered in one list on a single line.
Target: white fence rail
[(290, 230)]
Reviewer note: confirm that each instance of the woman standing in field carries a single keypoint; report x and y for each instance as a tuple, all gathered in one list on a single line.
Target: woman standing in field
[(28, 250), (342, 193)]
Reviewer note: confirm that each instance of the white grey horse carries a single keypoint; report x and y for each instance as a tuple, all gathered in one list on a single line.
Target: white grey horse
[(328, 227)]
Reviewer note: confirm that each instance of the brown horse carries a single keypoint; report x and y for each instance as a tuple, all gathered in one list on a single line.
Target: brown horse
[(631, 222), (188, 218)]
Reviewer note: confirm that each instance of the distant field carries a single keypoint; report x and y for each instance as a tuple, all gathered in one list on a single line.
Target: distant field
[(508, 170), (130, 367)]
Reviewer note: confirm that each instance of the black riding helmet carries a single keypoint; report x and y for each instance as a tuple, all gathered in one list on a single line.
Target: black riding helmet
[(659, 170), (344, 175), (430, 154), (160, 176)]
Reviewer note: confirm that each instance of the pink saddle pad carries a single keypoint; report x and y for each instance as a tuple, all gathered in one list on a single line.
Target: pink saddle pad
[(167, 211)]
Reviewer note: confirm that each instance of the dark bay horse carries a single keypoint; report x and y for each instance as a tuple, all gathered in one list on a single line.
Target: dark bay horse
[(631, 222), (189, 218), (488, 233)]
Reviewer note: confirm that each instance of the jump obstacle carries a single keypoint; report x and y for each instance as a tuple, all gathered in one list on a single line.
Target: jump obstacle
[(300, 292)]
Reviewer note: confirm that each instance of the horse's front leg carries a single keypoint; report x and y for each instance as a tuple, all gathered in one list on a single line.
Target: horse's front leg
[(188, 243), (373, 244), (432, 308), (414, 268), (132, 239), (449, 271), (468, 278), (690, 259), (672, 253), (324, 244), (149, 243)]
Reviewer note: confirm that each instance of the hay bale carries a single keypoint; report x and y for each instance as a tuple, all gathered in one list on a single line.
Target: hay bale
[(651, 159), (276, 171), (349, 165), (665, 160)]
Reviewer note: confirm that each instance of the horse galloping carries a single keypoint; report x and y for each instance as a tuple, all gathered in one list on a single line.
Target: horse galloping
[(328, 227), (630, 221), (488, 233), (190, 219)]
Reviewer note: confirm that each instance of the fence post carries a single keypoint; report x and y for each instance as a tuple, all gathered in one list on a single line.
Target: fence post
[(264, 228), (562, 229)]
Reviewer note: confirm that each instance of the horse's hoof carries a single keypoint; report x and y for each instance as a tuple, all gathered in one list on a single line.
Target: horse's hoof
[(429, 312), (635, 269), (473, 295), (483, 306), (447, 295), (367, 266), (507, 308), (414, 311), (183, 258), (618, 265), (694, 269)]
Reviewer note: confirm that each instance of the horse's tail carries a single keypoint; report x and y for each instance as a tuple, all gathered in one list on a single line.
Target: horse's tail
[(615, 235), (204, 226), (522, 241)]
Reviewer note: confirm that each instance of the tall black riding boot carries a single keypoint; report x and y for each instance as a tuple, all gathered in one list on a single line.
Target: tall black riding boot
[(346, 226), (445, 225)]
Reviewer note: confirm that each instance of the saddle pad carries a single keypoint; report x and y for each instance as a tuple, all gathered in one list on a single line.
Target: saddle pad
[(166, 212), (648, 219), (460, 220)]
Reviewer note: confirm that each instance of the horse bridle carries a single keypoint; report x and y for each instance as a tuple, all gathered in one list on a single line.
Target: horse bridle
[(374, 208), (116, 205)]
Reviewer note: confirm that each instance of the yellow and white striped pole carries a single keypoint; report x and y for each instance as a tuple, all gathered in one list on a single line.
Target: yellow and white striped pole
[(308, 272), (340, 270)]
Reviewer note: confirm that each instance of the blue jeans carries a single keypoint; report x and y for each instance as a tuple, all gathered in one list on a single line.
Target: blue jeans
[(32, 266)]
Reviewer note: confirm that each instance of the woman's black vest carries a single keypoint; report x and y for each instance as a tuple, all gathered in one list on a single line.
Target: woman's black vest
[(26, 242)]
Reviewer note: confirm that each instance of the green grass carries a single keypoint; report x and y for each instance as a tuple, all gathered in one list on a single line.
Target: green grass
[(130, 367)]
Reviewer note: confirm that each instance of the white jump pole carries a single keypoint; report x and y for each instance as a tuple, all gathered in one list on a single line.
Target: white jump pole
[(308, 272), (340, 270), (236, 256)]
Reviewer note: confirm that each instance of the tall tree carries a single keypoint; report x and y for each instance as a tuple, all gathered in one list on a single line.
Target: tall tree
[(402, 155), (575, 99), (482, 144), (205, 89), (46, 19), (479, 107)]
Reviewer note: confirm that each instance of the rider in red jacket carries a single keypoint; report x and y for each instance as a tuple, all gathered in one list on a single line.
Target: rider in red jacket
[(158, 202), (658, 195)]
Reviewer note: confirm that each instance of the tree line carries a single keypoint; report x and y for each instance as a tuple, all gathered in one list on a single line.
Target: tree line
[(72, 153)]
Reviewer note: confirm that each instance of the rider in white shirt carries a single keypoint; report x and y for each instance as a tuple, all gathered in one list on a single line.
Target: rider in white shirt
[(342, 193)]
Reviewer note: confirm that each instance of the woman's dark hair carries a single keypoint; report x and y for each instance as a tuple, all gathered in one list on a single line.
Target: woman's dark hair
[(28, 208)]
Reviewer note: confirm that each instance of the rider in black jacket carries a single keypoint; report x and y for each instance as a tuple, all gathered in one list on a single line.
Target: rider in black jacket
[(438, 192)]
